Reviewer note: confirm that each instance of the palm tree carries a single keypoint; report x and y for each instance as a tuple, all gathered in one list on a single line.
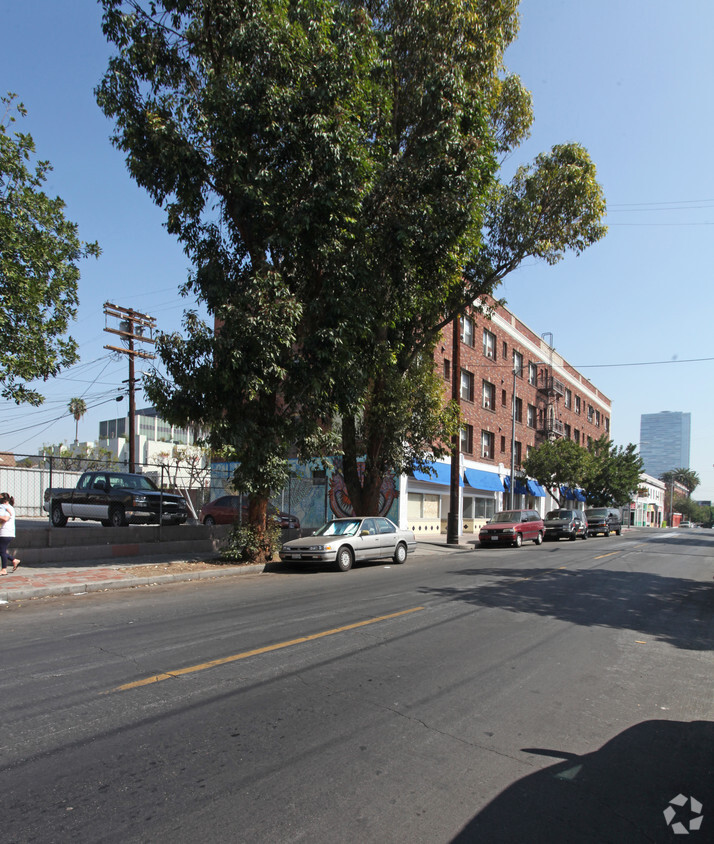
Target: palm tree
[(77, 407), (688, 478)]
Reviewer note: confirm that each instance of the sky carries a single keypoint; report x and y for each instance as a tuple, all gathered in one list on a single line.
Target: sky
[(631, 80)]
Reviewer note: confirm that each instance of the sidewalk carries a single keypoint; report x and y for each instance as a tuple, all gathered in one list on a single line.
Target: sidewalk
[(47, 579)]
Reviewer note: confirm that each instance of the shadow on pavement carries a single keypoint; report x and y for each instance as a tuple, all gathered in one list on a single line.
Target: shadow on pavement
[(616, 794), (677, 611)]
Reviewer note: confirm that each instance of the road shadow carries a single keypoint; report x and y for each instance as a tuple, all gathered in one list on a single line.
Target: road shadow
[(674, 610), (616, 794)]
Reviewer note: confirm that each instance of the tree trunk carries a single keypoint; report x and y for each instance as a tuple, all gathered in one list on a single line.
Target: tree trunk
[(257, 519), (363, 488)]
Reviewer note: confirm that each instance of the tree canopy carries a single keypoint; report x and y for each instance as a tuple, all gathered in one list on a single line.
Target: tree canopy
[(39, 252), (688, 478), (608, 474), (331, 169)]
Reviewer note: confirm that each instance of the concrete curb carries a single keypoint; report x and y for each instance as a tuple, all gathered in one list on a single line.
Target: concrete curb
[(25, 593)]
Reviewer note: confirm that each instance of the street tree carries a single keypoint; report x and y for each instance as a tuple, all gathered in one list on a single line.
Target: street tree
[(612, 473), (331, 170), (39, 254), (687, 478), (555, 464), (77, 407)]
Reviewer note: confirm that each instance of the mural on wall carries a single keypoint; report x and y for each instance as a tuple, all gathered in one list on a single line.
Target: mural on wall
[(340, 503), (312, 498)]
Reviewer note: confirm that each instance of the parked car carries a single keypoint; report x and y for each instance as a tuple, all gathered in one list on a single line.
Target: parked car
[(343, 541), (512, 527), (114, 499), (603, 520), (231, 508), (565, 523), (686, 524)]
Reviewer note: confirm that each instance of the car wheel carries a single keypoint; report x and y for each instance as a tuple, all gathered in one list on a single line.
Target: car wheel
[(209, 521), (57, 516), (618, 532), (606, 533), (518, 541), (573, 536), (539, 539), (585, 534), (116, 517), (400, 553), (344, 558)]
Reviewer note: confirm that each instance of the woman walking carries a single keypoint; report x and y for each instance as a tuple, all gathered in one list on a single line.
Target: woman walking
[(7, 531)]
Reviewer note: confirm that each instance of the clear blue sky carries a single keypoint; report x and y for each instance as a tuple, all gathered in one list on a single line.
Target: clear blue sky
[(631, 81)]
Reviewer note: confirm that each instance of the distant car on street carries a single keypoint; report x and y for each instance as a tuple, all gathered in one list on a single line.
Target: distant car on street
[(343, 541), (685, 524), (604, 520), (233, 508), (568, 524), (512, 527)]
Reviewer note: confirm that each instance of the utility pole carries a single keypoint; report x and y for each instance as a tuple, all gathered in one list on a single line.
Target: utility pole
[(133, 326), (452, 524)]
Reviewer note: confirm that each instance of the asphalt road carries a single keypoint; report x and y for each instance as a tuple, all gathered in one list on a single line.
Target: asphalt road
[(560, 693)]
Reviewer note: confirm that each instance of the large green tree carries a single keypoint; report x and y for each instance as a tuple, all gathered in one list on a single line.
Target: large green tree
[(612, 473), (39, 253), (688, 478), (331, 168), (555, 464)]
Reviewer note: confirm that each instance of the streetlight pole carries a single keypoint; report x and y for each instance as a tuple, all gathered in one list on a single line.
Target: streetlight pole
[(452, 523), (513, 441)]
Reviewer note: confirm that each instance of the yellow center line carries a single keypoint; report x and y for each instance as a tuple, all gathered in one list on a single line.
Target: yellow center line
[(602, 556), (157, 678)]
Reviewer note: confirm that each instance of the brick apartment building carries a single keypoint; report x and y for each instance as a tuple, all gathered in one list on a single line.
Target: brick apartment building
[(552, 400)]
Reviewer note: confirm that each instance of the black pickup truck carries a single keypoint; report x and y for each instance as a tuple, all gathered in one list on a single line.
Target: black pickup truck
[(114, 499)]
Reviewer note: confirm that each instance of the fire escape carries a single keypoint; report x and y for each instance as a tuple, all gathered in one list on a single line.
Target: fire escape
[(550, 390)]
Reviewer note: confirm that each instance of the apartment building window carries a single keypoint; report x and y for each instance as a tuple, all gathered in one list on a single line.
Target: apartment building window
[(568, 398), (489, 344), (489, 396), (447, 370), (467, 385), (529, 450), (503, 445), (531, 417), (607, 424), (504, 398), (467, 331), (566, 428), (467, 439), (505, 350), (577, 405), (517, 453), (518, 364), (590, 413), (487, 445), (518, 409), (597, 418), (532, 374), (577, 436)]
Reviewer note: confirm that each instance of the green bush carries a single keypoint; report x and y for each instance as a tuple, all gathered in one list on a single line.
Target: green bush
[(245, 544)]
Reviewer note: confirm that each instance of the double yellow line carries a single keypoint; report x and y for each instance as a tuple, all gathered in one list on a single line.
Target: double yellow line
[(192, 669)]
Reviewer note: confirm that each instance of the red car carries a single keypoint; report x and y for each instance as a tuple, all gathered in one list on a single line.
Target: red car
[(227, 509), (512, 527)]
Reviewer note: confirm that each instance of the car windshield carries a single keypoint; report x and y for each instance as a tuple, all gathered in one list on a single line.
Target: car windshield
[(339, 527), (595, 514), (507, 516), (560, 514), (132, 482)]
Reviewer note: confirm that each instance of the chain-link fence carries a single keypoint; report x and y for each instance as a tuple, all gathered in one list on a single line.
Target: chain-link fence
[(27, 476), (31, 474)]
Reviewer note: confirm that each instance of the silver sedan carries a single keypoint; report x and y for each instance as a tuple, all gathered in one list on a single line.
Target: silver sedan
[(342, 541)]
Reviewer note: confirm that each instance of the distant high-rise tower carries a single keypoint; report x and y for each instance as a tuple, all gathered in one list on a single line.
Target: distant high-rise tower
[(664, 441)]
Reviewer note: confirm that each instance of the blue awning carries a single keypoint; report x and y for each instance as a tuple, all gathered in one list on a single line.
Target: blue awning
[(572, 494), (521, 488), (442, 475), (478, 479), (536, 489)]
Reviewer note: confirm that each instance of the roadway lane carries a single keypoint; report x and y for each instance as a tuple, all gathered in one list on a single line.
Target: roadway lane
[(544, 694)]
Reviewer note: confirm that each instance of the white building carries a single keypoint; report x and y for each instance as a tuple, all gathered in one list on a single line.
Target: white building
[(647, 509)]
